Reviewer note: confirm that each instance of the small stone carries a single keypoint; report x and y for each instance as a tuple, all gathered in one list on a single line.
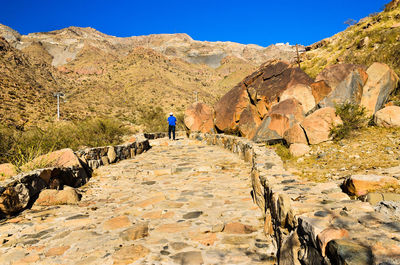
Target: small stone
[(148, 183), (104, 160), (129, 254), (135, 232), (58, 197), (217, 228), (117, 223), (188, 258), (178, 245), (112, 156), (172, 228), (321, 213), (32, 258), (207, 239), (56, 251), (238, 228), (297, 149), (192, 215)]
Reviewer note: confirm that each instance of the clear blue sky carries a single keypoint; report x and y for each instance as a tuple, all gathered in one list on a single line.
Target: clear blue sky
[(259, 22)]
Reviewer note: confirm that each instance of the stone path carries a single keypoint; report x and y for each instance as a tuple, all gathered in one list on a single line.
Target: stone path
[(181, 203)]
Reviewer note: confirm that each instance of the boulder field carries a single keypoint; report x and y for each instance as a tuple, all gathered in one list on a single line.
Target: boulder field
[(281, 102)]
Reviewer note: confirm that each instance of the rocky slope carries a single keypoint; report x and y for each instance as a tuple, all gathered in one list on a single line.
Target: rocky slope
[(26, 87), (104, 75), (373, 39)]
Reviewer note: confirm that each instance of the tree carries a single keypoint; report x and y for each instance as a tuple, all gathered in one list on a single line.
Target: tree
[(350, 22)]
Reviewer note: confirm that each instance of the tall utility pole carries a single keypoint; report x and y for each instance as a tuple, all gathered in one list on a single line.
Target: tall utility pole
[(58, 95)]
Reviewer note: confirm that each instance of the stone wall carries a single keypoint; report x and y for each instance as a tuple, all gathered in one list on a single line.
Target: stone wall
[(313, 223), (21, 191)]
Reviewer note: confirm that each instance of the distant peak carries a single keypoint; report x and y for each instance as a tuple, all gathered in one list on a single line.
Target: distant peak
[(9, 34)]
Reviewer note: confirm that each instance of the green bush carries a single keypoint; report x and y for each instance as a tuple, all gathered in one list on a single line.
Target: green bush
[(282, 151), (353, 116)]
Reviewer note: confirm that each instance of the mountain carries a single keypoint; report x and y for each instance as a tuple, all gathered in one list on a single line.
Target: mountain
[(375, 38), (65, 44), (110, 76)]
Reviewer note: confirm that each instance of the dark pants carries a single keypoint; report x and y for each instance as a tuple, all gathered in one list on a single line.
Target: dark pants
[(171, 128)]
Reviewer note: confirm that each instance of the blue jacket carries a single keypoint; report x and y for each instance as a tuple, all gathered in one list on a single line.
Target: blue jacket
[(172, 120)]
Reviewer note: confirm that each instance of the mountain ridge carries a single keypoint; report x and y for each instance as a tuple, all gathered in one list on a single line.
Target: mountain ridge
[(181, 45)]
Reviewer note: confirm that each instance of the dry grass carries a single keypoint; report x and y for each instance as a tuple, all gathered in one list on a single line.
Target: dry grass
[(369, 150), (374, 39)]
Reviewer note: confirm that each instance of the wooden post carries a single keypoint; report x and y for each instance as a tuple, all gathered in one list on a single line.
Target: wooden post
[(298, 55)]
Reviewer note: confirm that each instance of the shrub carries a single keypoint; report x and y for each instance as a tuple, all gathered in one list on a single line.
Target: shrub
[(6, 143), (20, 147), (282, 151), (180, 121), (153, 119), (353, 117)]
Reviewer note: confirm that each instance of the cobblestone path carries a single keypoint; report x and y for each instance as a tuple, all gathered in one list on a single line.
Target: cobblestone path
[(181, 203)]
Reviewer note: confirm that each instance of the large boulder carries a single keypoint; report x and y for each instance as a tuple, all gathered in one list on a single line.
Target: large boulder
[(261, 89), (362, 184), (297, 150), (14, 199), (66, 168), (7, 170), (61, 158), (58, 197), (349, 90), (295, 135), (199, 118), (320, 90), (301, 93), (318, 124), (381, 82), (249, 122), (282, 117), (333, 75), (388, 117), (229, 108)]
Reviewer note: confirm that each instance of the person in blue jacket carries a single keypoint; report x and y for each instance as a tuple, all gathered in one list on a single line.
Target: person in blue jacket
[(171, 125)]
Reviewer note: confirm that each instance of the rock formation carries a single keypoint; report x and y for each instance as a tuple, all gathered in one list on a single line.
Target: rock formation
[(278, 102), (281, 118), (199, 118), (388, 117), (257, 94), (381, 83)]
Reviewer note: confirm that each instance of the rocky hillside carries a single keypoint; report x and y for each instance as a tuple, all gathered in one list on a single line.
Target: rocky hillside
[(375, 38), (104, 75), (26, 87)]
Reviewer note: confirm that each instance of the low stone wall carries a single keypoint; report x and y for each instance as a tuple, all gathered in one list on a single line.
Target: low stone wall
[(313, 223), (98, 156), (21, 191)]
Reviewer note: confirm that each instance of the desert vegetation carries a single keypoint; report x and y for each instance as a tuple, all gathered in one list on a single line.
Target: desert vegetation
[(372, 39), (20, 147), (354, 118)]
